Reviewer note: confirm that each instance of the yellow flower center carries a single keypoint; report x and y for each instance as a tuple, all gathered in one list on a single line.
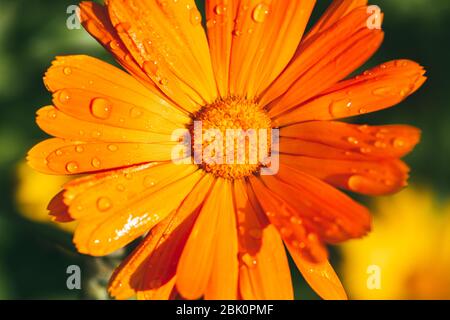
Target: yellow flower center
[(236, 137)]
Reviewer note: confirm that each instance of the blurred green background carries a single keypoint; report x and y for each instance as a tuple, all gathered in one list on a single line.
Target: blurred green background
[(34, 257)]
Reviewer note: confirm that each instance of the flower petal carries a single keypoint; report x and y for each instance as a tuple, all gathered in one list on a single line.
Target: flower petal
[(335, 11), (253, 41), (329, 213), (264, 270), (373, 177), (334, 54), (320, 276), (102, 234), (169, 44), (93, 78), (283, 217), (199, 254), (162, 264), (59, 124), (339, 140), (379, 88), (71, 158)]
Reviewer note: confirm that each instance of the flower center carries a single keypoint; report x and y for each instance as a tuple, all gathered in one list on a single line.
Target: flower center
[(235, 138)]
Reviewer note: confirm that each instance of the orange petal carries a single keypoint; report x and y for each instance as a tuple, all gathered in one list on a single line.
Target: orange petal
[(121, 188), (265, 38), (223, 282), (150, 269), (197, 260), (324, 210), (320, 276), (292, 229), (68, 157), (162, 263), (220, 17), (95, 78), (264, 270), (59, 124), (373, 177), (339, 140), (335, 11), (321, 63), (95, 20), (379, 88), (169, 44), (102, 234)]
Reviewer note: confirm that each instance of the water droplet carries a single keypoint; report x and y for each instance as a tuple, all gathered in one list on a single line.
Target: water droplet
[(101, 108), (383, 91), (362, 111), (123, 27), (365, 150), (72, 167), (352, 140), (296, 220), (104, 204), (59, 153), (114, 44), (195, 17), (249, 260), (63, 96), (151, 67), (113, 148), (260, 13), (67, 71), (96, 163), (337, 107), (220, 9), (52, 114), (149, 182), (135, 112), (399, 143), (79, 149), (120, 187), (355, 183), (380, 144)]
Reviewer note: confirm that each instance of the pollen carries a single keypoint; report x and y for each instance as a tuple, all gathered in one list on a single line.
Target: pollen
[(235, 137)]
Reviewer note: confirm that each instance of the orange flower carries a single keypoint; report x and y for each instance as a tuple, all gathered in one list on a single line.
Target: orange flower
[(217, 231)]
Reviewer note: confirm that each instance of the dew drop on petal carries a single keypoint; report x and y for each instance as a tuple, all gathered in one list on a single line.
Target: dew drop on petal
[(249, 260), (104, 204), (72, 167), (113, 148), (67, 71), (195, 17), (260, 13), (220, 9), (149, 182), (64, 96), (135, 113), (101, 108), (96, 163), (79, 149)]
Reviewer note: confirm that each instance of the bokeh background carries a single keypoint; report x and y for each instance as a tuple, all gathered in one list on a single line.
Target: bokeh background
[(34, 254)]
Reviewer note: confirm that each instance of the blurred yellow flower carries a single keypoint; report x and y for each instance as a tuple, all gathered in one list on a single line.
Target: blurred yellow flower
[(408, 254), (32, 194)]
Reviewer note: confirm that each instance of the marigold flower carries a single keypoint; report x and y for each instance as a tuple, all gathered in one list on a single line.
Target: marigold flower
[(217, 231), (412, 228)]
